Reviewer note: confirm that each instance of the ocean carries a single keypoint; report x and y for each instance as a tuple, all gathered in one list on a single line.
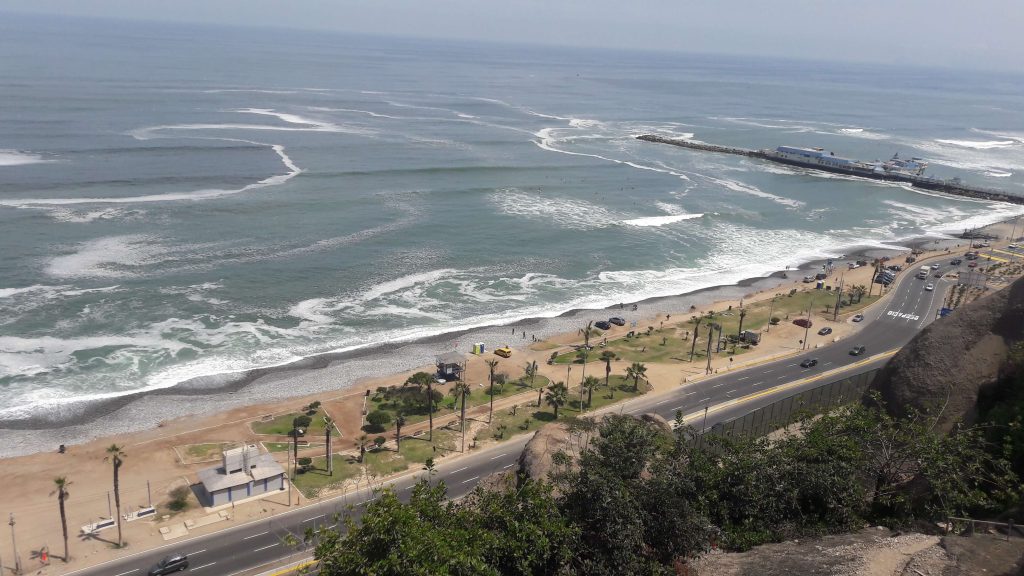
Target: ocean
[(180, 204)]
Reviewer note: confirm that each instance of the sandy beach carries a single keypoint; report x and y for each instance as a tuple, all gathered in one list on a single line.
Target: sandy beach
[(155, 463)]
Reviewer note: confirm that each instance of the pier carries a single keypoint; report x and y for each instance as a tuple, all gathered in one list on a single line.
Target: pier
[(953, 186)]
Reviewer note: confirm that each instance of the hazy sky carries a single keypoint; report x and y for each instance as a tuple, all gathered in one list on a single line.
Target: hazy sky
[(959, 33)]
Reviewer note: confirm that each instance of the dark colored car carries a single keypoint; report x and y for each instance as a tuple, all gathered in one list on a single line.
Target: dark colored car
[(602, 324), (809, 363), (617, 321), (857, 350), (956, 261), (824, 331), (803, 322), (169, 565)]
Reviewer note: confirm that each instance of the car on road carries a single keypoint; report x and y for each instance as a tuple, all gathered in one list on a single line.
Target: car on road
[(809, 363), (956, 261), (972, 265), (857, 350), (858, 318), (602, 325), (824, 331), (938, 274), (169, 565), (1013, 246), (617, 321), (504, 352), (935, 266), (929, 287)]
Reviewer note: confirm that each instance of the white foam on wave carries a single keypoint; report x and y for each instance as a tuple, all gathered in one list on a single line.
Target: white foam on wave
[(566, 212), (979, 145), (11, 292), (661, 220), (275, 180), (737, 186), (547, 141), (862, 133), (20, 158), (998, 174), (109, 257)]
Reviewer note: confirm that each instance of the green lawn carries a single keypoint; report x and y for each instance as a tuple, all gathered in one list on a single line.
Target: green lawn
[(529, 418), (283, 424), (313, 481), (286, 446), (384, 462)]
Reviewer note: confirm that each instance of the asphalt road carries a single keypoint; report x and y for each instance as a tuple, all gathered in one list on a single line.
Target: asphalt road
[(248, 546)]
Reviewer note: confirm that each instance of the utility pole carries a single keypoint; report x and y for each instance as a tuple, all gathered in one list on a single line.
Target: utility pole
[(770, 308), (704, 426), (14, 546)]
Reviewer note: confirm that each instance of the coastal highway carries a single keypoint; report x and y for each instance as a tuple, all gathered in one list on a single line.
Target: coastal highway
[(888, 325)]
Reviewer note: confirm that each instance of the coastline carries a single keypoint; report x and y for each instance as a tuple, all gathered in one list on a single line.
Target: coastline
[(345, 372)]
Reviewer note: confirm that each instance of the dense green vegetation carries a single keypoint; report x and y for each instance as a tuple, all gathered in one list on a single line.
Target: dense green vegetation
[(645, 501)]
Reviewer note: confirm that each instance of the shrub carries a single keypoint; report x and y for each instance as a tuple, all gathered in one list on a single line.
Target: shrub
[(377, 420), (302, 421), (775, 320), (179, 498), (379, 441)]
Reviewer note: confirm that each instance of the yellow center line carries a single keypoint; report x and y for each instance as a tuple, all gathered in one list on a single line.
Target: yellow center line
[(787, 386)]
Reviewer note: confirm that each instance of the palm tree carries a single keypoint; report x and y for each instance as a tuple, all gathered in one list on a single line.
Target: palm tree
[(586, 351), (696, 327), (590, 382), (540, 391), (636, 371), (608, 355), (491, 364), (430, 469), (462, 389), (399, 422), (328, 425), (116, 455), (531, 371), (62, 495), (430, 408), (557, 396), (743, 314)]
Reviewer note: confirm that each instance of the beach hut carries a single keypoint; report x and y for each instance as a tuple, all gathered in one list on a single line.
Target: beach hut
[(450, 366)]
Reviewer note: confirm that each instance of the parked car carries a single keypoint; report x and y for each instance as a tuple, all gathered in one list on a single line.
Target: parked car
[(1013, 246), (803, 322), (935, 266), (169, 565), (929, 287), (617, 321), (956, 261), (809, 363), (857, 350), (504, 352), (602, 325), (858, 318), (972, 265), (824, 331)]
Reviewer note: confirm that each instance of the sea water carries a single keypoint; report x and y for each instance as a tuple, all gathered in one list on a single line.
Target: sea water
[(182, 201)]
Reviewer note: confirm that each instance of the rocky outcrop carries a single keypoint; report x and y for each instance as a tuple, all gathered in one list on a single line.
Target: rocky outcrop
[(539, 457), (945, 366)]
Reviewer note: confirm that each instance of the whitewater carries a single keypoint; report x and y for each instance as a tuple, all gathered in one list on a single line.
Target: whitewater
[(169, 234)]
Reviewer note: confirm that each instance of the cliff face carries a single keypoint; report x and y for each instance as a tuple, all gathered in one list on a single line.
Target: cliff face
[(949, 362)]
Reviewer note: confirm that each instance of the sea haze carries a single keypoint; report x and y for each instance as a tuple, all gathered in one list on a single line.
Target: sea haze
[(178, 202)]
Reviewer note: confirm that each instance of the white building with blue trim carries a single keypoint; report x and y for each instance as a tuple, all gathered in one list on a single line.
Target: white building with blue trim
[(243, 473)]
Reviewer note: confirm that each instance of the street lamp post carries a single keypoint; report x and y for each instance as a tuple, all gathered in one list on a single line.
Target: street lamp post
[(807, 327), (14, 546), (771, 307)]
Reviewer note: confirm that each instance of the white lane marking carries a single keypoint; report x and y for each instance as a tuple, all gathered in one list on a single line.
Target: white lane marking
[(744, 378), (730, 392), (500, 455), (471, 479), (128, 572), (313, 518), (255, 535), (196, 552), (705, 400), (506, 466), (690, 393), (767, 371), (204, 566), (677, 408), (780, 377), (662, 402), (460, 469), (719, 384), (827, 364), (265, 547)]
